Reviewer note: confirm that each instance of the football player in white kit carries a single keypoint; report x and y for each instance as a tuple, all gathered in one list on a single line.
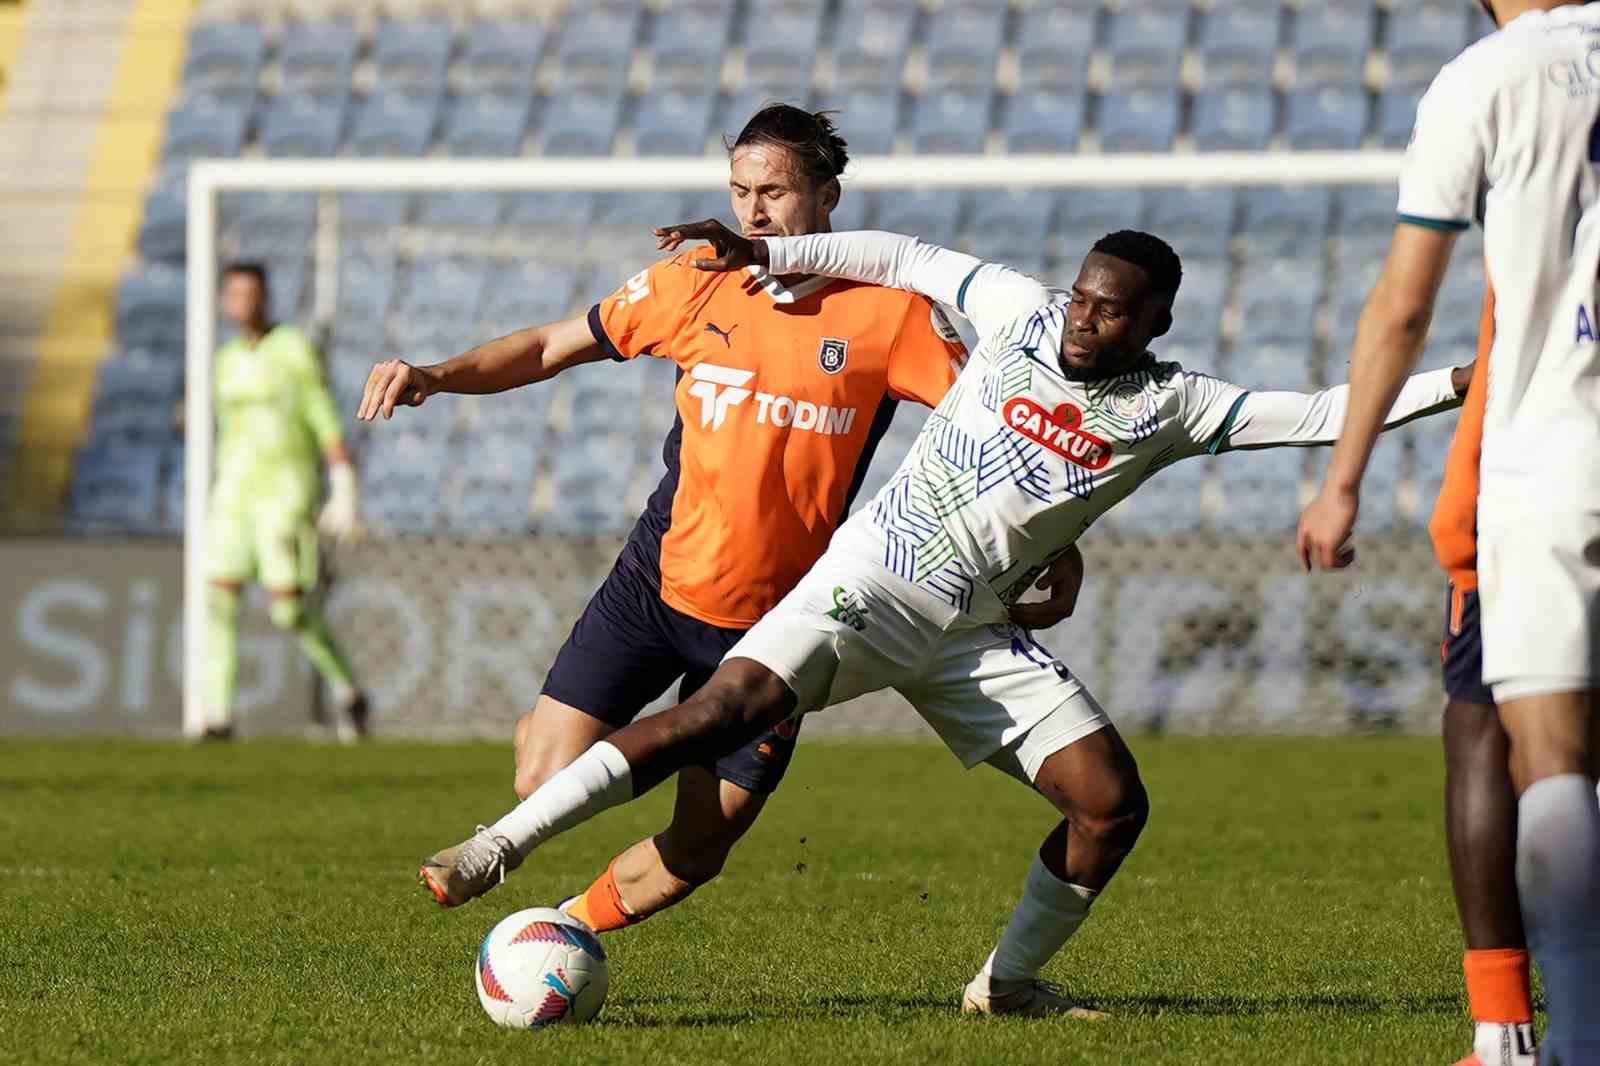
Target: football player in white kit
[(1061, 412), (1511, 128)]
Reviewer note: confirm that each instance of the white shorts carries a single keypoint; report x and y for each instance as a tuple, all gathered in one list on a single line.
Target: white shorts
[(1539, 593), (852, 627)]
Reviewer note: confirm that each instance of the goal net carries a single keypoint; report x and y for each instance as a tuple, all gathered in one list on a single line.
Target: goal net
[(492, 519)]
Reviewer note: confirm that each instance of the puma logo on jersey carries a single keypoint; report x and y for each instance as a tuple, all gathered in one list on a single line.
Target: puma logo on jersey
[(1061, 431), (725, 334), (722, 388)]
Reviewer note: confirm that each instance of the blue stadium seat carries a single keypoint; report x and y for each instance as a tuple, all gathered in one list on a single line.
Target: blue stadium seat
[(1329, 41), (620, 241), (856, 210), (317, 55), (1088, 214), (932, 214), (1260, 493), (1197, 312), (149, 310), (1330, 117), (1171, 502), (780, 47), (202, 126), (530, 292), (303, 125), (1366, 209), (1044, 120), (596, 47), (1397, 114), (460, 210), (737, 108), (366, 285), (672, 123), (225, 56), (1191, 353), (581, 122), (558, 220), (1285, 217), (406, 504), (120, 492), (716, 203), (492, 497), (868, 119), (163, 229), (1054, 42), (1264, 364), (687, 48), (1423, 36), (140, 377), (1278, 299), (503, 54), (1237, 118), (523, 413), (1145, 44), (1196, 221), (1010, 224), (963, 45), (1239, 41), (955, 121), (589, 472), (263, 224), (1139, 120), (445, 285), (413, 54), (870, 43), (488, 124), (395, 124)]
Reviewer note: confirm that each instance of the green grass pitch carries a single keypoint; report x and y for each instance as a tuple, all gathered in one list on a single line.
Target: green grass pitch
[(256, 904)]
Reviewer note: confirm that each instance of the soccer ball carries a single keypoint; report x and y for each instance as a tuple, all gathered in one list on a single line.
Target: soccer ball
[(539, 967)]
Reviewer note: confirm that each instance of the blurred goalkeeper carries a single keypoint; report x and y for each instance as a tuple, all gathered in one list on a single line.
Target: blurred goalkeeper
[(275, 416)]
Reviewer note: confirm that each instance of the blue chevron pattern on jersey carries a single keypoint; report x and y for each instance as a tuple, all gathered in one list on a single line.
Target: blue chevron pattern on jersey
[(1007, 458), (952, 586)]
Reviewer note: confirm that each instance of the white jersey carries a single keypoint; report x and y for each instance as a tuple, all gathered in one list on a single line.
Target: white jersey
[(1018, 461), (1511, 127)]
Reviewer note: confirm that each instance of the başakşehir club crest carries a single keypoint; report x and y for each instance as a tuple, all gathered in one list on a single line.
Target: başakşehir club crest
[(830, 357)]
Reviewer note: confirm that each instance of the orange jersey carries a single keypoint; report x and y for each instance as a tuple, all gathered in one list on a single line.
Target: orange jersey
[(782, 397), (1454, 526)]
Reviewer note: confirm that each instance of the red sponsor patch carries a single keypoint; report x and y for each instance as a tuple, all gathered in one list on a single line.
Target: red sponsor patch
[(1061, 431)]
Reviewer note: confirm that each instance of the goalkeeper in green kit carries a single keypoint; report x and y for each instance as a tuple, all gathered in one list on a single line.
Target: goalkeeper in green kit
[(275, 417)]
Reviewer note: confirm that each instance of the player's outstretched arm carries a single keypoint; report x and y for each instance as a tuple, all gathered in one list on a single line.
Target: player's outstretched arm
[(517, 359), (1389, 337)]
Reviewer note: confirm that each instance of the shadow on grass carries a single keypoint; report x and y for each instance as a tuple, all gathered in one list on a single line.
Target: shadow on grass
[(1287, 1003)]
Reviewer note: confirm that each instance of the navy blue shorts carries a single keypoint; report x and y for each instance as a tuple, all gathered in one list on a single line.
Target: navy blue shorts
[(1463, 649), (628, 646)]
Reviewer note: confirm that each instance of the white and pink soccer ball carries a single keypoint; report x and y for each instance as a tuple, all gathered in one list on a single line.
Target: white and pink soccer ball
[(539, 967)]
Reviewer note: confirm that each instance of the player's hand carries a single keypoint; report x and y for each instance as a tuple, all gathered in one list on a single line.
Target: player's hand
[(1064, 579), (1323, 539), (392, 383), (1461, 377), (733, 251)]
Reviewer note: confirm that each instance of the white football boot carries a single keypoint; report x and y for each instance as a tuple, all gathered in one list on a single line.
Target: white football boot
[(468, 870), (1502, 1044), (1030, 997)]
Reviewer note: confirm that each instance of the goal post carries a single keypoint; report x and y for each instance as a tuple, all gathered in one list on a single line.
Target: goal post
[(208, 180)]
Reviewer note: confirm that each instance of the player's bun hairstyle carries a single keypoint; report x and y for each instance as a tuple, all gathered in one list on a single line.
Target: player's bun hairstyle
[(249, 268), (809, 135), (1149, 253)]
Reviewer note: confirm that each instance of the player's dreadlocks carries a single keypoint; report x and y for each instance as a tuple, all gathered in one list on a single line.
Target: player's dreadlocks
[(810, 136), (1149, 253)]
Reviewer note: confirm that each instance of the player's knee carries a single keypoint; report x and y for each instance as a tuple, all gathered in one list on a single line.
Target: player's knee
[(1119, 818), (287, 612), (742, 695)]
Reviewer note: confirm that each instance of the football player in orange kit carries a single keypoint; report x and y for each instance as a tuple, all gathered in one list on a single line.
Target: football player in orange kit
[(786, 386)]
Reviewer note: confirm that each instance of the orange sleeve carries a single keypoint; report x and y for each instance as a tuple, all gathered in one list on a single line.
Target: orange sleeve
[(1454, 525), (927, 354), (646, 310)]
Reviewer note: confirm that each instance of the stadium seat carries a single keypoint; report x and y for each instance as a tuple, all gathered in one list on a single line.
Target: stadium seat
[(1238, 118), (591, 474), (953, 122), (1009, 225), (1329, 41), (413, 54), (202, 126), (488, 124), (687, 48), (444, 286), (1239, 41), (1366, 210), (1088, 214), (619, 239), (1278, 300), (1139, 120), (1054, 41), (303, 125), (460, 210), (140, 377), (932, 214), (1267, 364), (366, 285), (1424, 35), (869, 120), (1043, 120), (317, 55), (162, 227), (780, 46), (1397, 114), (407, 503), (1260, 493), (1202, 297), (580, 122), (1168, 503), (1145, 44), (1282, 218), (596, 47), (735, 110), (395, 124), (1329, 117), (856, 210), (1196, 221), (225, 57), (120, 493), (870, 42), (149, 310), (963, 45), (557, 220), (672, 123), (523, 413), (493, 494), (502, 54)]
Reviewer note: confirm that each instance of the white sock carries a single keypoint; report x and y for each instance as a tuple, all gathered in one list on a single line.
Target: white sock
[(1504, 1044), (1048, 913), (1558, 877), (594, 781)]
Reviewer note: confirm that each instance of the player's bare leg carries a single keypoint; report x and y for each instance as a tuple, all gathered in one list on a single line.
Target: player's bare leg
[(741, 699), (1553, 749), (1481, 831), (1095, 784), (547, 739)]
